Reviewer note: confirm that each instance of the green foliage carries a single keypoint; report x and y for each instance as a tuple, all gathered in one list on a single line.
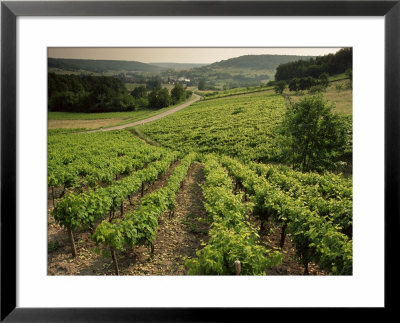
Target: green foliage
[(315, 135), (153, 83), (84, 208), (75, 93), (178, 93), (324, 80), (211, 126), (293, 85), (304, 83), (95, 158), (202, 85), (139, 92), (349, 73), (231, 237), (235, 91), (317, 89), (316, 237), (159, 98), (331, 64), (279, 87), (329, 195), (339, 87)]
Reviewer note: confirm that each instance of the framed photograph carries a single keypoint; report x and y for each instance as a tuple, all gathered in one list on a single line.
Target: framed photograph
[(197, 160)]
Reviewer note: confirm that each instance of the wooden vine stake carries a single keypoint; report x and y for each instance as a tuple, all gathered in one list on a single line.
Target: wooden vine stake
[(52, 194), (142, 189), (306, 269), (283, 235), (237, 268), (71, 239), (114, 258)]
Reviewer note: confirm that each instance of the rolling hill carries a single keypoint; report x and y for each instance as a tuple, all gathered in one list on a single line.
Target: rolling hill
[(101, 66), (257, 62)]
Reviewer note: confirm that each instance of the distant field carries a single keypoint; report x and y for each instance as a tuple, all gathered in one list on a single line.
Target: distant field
[(343, 98)]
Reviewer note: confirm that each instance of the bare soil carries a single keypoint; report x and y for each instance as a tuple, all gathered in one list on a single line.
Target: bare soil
[(271, 237)]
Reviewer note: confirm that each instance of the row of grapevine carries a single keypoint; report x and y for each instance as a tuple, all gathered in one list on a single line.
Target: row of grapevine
[(89, 159), (316, 239), (231, 237), (329, 185), (338, 209), (139, 227), (83, 209)]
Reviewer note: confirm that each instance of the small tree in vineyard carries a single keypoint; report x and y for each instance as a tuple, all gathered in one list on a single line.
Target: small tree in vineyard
[(315, 134)]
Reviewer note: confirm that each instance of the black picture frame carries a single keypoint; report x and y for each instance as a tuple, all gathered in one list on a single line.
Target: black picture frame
[(10, 10)]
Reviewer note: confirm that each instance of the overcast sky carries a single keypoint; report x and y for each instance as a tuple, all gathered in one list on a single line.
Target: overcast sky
[(177, 55)]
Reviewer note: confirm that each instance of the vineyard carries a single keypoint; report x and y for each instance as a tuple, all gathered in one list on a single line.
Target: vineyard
[(212, 197)]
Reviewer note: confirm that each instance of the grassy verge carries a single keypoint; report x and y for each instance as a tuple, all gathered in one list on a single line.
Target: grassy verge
[(337, 92)]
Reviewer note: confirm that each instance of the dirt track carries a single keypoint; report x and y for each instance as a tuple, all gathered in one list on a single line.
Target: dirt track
[(158, 116)]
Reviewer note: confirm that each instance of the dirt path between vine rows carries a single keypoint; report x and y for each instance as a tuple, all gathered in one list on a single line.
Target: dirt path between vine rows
[(156, 117), (178, 236), (270, 238)]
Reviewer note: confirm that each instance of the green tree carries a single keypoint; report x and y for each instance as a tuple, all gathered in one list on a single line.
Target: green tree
[(316, 136), (324, 80), (349, 74), (202, 85), (139, 92), (153, 83), (159, 98), (177, 93), (280, 87), (293, 85)]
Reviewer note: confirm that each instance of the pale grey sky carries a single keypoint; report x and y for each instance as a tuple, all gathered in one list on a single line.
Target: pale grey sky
[(178, 55)]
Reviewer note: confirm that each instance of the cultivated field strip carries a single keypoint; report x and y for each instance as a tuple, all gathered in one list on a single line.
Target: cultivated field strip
[(231, 238), (329, 185), (87, 160), (316, 239), (332, 204)]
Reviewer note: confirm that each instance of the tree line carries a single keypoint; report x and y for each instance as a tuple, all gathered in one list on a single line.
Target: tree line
[(331, 64), (86, 93)]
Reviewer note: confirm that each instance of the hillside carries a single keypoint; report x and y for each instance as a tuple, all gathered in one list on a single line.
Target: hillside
[(177, 66), (101, 66), (258, 62), (248, 70)]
